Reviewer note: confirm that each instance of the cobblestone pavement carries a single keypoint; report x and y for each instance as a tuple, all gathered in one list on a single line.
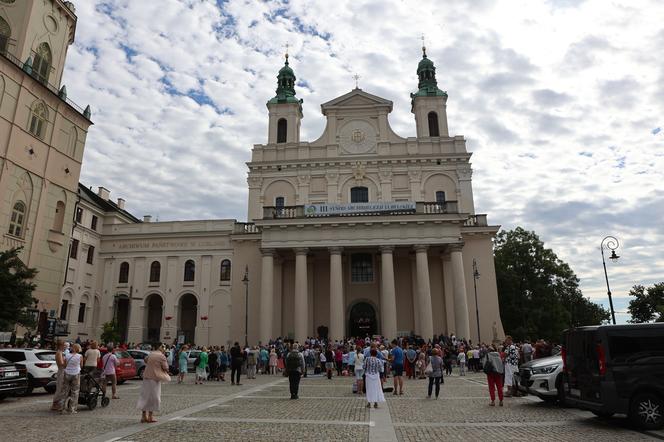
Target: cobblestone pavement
[(327, 410)]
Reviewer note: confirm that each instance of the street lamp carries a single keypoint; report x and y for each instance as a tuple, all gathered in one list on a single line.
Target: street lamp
[(245, 280), (611, 243), (476, 276)]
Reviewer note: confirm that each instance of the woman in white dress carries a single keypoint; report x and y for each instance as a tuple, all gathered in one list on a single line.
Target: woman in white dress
[(373, 367)]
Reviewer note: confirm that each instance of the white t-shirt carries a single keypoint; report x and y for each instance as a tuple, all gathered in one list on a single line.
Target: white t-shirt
[(461, 357), (359, 361), (91, 357), (73, 364)]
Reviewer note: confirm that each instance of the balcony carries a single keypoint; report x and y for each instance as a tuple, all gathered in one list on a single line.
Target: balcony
[(379, 208), (7, 48), (246, 228)]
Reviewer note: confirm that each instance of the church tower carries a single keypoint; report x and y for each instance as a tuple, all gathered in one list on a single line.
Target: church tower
[(285, 110), (429, 103)]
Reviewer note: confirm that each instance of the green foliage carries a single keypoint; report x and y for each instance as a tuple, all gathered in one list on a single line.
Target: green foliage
[(539, 294), (110, 332), (15, 291), (648, 303)]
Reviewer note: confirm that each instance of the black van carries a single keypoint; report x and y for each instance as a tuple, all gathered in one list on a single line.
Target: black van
[(611, 369)]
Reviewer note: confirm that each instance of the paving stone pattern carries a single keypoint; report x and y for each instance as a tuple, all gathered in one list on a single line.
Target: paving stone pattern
[(260, 409)]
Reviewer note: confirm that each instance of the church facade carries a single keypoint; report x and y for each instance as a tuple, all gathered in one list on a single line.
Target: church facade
[(359, 232)]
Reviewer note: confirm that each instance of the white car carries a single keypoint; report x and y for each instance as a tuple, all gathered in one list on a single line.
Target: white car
[(40, 364), (542, 378)]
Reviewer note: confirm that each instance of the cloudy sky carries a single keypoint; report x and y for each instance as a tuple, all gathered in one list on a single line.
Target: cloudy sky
[(561, 102)]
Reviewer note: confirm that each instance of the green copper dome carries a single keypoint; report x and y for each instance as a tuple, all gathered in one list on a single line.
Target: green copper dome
[(426, 73), (285, 86)]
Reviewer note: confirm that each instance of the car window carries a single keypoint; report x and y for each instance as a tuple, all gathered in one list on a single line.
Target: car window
[(137, 355), (122, 355), (632, 346), (13, 356), (46, 355), (3, 360)]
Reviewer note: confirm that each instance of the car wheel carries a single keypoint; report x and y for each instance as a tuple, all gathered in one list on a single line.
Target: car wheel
[(560, 396), (647, 411), (602, 414), (50, 390), (121, 381)]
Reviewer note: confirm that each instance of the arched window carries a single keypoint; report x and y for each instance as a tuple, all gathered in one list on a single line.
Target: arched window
[(41, 66), (282, 129), (155, 271), (225, 274), (5, 35), (189, 270), (17, 220), (433, 125), (59, 219), (38, 119), (359, 195), (440, 197), (124, 273)]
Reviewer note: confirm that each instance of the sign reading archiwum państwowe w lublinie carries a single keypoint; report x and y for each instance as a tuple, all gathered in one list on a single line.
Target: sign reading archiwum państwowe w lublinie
[(350, 208)]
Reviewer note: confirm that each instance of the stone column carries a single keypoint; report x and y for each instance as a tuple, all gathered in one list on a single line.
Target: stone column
[(336, 295), (460, 301), (448, 290), (301, 319), (267, 296), (424, 291), (388, 300)]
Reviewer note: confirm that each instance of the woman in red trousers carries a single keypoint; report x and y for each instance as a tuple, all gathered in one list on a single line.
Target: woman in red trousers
[(494, 369)]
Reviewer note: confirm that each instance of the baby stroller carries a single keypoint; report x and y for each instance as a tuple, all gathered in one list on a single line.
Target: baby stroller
[(90, 391)]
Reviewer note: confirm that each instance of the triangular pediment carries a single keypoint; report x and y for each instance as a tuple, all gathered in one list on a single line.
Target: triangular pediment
[(357, 99)]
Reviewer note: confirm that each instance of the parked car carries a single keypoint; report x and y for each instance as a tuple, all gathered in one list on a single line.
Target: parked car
[(139, 359), (542, 378), (13, 379), (616, 369), (191, 358), (40, 364), (126, 368)]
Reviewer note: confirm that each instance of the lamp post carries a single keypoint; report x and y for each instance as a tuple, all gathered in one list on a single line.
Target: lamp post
[(611, 243), (245, 280), (476, 276)]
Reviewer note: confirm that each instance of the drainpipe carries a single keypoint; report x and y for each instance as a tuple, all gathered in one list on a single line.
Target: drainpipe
[(73, 226)]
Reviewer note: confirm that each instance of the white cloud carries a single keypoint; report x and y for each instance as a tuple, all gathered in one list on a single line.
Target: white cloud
[(558, 100)]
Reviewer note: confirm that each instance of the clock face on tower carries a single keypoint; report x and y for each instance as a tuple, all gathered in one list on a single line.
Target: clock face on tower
[(357, 137)]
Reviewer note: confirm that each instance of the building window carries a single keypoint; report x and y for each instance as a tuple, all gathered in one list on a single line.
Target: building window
[(73, 251), (279, 203), (38, 119), (17, 220), (5, 35), (361, 267), (93, 223), (63, 309), (124, 273), (91, 255), (189, 270), (225, 274), (79, 214), (359, 195), (282, 130), (440, 197), (155, 271), (433, 125), (81, 312), (41, 66), (59, 219)]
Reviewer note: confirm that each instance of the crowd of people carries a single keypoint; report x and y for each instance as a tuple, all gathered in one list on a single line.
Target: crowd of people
[(368, 362)]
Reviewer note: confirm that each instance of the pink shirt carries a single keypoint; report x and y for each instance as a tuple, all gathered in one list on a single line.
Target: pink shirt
[(108, 366)]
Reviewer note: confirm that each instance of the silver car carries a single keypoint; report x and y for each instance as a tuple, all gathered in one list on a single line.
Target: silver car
[(542, 378)]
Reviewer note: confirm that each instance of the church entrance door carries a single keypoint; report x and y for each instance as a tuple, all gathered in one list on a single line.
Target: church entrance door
[(362, 320)]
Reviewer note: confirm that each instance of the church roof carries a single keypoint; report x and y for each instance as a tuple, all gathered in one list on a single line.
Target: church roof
[(106, 205), (357, 99)]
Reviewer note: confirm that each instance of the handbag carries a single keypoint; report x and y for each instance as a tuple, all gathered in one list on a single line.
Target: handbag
[(428, 370)]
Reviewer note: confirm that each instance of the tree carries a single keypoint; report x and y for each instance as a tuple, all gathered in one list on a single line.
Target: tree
[(539, 294), (110, 332), (15, 291), (648, 303)]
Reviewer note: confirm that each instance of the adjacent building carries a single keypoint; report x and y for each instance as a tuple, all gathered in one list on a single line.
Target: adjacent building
[(42, 139)]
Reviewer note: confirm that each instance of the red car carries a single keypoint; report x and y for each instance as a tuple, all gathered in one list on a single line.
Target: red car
[(126, 368)]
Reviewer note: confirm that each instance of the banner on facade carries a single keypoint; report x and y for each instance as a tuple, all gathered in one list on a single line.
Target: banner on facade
[(350, 208)]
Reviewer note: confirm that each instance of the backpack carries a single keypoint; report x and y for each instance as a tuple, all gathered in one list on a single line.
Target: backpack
[(197, 361), (251, 358), (292, 362)]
